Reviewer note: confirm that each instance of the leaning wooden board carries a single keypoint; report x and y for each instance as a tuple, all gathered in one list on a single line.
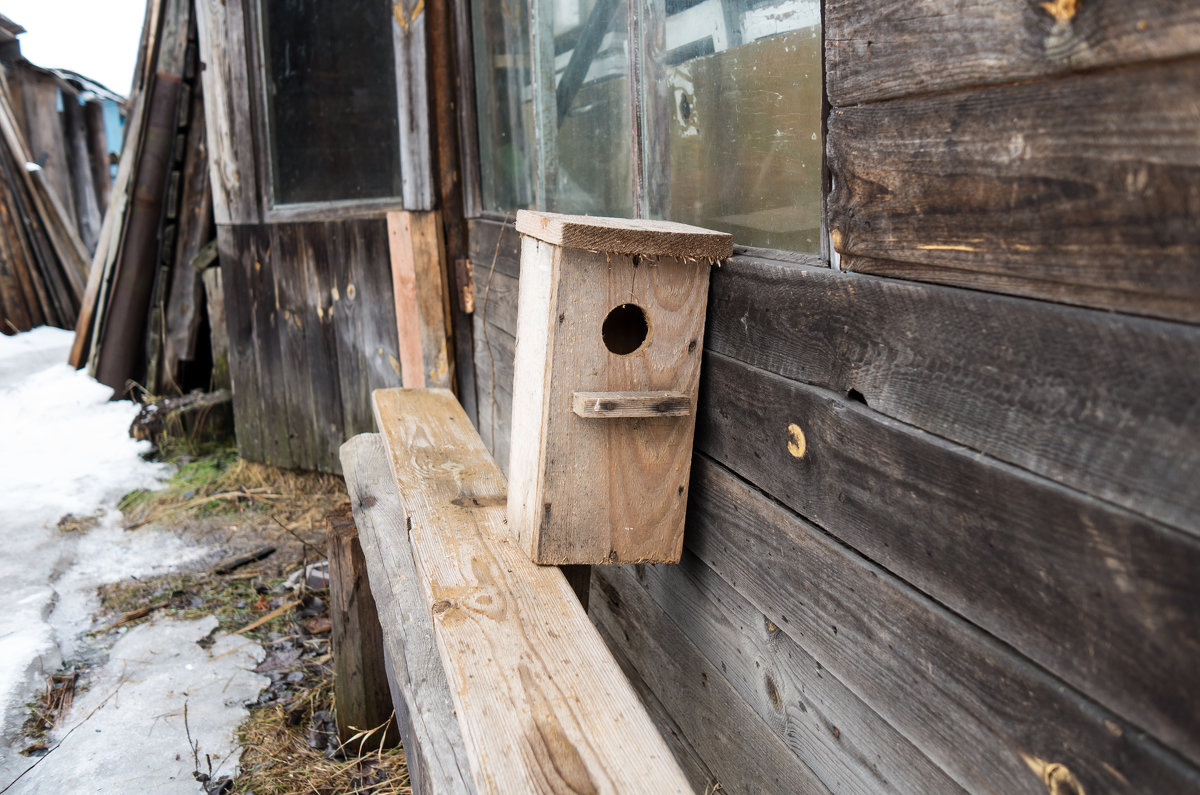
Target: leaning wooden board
[(542, 704)]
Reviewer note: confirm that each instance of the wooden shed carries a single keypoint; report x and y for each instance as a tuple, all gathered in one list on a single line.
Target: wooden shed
[(943, 518)]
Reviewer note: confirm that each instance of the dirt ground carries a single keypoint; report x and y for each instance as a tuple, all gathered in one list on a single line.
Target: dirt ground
[(269, 585)]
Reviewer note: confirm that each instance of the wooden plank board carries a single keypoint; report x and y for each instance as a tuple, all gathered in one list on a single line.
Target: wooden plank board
[(345, 309), (433, 742), (494, 354), (987, 716), (412, 104), (542, 704), (221, 28), (1082, 190), (421, 299), (610, 405), (594, 492), (183, 314), (839, 737), (238, 252), (496, 298), (83, 188), (953, 361), (626, 235), (1101, 597), (494, 245), (734, 743), (902, 47)]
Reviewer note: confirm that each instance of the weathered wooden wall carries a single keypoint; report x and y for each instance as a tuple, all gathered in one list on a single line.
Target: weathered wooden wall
[(312, 330), (943, 523)]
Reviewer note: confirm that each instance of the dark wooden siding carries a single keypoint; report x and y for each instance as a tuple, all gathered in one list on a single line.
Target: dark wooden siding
[(312, 332), (981, 573)]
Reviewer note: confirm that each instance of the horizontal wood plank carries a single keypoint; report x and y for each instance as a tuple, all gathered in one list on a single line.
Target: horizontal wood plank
[(433, 742), (1088, 182), (494, 245), (1099, 402), (742, 752), (839, 737), (900, 47), (603, 405), (542, 704), (1103, 598), (987, 716)]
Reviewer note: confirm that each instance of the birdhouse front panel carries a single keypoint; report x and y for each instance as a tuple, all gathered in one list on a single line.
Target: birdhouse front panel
[(605, 383)]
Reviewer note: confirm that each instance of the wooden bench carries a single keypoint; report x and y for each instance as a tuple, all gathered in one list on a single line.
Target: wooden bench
[(500, 682)]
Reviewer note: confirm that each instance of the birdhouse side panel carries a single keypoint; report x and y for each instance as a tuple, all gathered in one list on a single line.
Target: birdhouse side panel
[(531, 374)]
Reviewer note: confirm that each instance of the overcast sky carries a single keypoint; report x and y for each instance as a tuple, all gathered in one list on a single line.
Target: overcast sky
[(97, 38)]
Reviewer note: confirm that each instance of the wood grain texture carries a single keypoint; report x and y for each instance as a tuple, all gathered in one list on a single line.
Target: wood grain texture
[(312, 332), (433, 741), (221, 28), (47, 145), (412, 104), (612, 405), (184, 312), (588, 492), (1088, 182), (1099, 596), (495, 351), (360, 682), (626, 235), (421, 299), (1074, 408), (494, 245), (734, 743), (839, 737), (901, 47), (981, 712), (542, 704)]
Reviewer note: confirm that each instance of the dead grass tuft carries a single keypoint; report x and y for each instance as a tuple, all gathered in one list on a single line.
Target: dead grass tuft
[(286, 756), (44, 713)]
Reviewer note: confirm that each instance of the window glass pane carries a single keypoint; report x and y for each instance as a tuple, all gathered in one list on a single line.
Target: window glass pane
[(504, 103), (584, 131), (732, 118), (331, 99)]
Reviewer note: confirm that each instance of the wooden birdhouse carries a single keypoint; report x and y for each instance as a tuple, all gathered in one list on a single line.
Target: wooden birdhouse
[(610, 328)]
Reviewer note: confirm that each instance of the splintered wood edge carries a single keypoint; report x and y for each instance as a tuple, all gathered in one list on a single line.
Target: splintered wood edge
[(600, 405), (627, 236)]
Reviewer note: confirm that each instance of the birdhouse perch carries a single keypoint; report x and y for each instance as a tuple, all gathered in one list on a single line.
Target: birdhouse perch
[(610, 328)]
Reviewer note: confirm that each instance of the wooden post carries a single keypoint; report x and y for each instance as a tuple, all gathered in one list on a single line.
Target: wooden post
[(361, 697)]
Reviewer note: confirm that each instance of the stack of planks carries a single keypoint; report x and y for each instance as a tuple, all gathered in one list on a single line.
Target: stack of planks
[(146, 306), (500, 682), (52, 170)]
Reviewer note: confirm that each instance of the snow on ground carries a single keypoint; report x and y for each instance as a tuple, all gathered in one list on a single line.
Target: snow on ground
[(65, 449)]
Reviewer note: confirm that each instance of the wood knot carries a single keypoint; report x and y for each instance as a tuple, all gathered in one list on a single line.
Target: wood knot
[(1063, 11), (796, 445), (441, 606), (1059, 780)]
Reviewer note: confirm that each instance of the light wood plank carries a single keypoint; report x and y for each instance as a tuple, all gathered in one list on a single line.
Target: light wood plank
[(422, 300), (542, 703), (588, 492), (626, 235), (433, 742)]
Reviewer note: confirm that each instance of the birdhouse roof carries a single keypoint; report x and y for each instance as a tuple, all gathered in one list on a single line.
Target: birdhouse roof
[(626, 235)]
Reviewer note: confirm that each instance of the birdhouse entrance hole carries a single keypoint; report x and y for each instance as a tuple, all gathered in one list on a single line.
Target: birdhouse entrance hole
[(625, 329)]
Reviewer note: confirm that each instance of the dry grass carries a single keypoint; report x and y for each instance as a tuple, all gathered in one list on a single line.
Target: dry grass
[(280, 758), (44, 713)]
